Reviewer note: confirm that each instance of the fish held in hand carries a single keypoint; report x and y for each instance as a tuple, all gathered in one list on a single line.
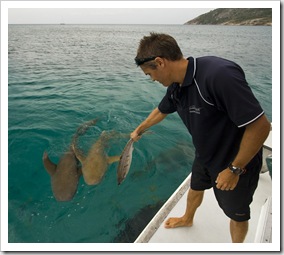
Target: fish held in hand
[(125, 160)]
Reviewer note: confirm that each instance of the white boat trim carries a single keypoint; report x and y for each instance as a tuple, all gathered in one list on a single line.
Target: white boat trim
[(157, 220), (264, 226)]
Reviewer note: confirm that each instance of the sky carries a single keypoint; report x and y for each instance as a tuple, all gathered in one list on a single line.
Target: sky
[(115, 12), (103, 15)]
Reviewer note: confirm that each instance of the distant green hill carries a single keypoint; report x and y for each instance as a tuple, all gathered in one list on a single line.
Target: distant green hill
[(235, 16)]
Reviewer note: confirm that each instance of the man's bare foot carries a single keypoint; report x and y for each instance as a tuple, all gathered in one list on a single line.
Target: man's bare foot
[(177, 222)]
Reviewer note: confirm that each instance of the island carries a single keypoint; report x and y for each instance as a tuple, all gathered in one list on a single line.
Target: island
[(235, 16)]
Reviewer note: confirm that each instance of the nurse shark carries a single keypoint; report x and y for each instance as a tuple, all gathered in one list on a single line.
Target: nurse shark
[(96, 162), (65, 175)]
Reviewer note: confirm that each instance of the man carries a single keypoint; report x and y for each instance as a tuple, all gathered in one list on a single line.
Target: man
[(226, 122)]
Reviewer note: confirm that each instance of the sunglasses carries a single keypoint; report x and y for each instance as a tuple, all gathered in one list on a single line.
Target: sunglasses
[(141, 61)]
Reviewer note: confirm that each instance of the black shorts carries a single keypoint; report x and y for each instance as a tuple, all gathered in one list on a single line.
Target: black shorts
[(235, 203)]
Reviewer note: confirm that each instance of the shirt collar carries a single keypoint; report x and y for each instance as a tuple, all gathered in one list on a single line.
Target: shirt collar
[(190, 72)]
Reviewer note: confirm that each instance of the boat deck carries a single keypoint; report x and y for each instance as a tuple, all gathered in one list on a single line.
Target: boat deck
[(209, 220), (210, 223)]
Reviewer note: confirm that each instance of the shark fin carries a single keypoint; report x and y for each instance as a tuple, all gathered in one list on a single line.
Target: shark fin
[(49, 166), (113, 159)]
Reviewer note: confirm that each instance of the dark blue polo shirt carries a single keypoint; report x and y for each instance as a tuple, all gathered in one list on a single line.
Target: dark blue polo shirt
[(215, 103)]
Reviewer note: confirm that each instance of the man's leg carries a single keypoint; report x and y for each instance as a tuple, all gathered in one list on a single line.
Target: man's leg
[(194, 200), (238, 230)]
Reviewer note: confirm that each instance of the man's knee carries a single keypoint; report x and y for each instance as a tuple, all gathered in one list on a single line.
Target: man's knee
[(195, 194), (239, 223)]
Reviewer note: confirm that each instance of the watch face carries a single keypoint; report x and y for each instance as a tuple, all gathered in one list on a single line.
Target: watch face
[(236, 170)]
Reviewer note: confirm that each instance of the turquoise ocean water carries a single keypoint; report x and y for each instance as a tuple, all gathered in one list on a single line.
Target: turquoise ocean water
[(63, 75)]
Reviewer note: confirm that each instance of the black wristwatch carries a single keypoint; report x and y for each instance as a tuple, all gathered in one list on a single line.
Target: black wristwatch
[(236, 170)]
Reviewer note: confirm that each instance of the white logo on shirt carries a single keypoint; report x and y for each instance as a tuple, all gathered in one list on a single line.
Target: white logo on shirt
[(194, 109)]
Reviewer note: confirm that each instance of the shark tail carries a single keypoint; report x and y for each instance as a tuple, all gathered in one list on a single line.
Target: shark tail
[(82, 129)]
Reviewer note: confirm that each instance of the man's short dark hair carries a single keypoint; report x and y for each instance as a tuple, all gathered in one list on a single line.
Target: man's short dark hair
[(158, 45)]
